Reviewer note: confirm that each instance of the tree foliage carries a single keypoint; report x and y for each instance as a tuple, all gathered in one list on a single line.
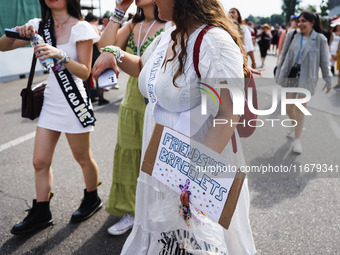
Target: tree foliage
[(277, 19), (324, 7), (289, 7)]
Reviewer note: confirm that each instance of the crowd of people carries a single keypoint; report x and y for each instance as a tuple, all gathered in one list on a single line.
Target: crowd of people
[(167, 29)]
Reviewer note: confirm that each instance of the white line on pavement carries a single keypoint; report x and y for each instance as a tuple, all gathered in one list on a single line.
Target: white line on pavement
[(335, 127), (17, 141), (29, 136)]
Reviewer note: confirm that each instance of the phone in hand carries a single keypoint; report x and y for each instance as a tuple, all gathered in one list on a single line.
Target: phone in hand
[(10, 33), (107, 78)]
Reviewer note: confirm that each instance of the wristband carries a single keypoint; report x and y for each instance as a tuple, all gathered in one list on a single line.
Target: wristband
[(115, 20), (119, 13), (116, 51)]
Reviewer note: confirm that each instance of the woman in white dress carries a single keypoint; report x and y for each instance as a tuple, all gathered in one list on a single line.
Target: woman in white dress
[(333, 44), (220, 57), (73, 49)]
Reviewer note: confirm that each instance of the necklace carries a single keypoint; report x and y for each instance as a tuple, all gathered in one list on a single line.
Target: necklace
[(149, 19), (59, 26), (139, 44)]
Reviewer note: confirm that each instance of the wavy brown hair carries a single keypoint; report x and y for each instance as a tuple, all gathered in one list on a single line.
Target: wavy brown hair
[(200, 11)]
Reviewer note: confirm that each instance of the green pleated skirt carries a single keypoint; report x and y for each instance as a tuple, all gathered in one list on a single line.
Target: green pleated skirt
[(127, 155)]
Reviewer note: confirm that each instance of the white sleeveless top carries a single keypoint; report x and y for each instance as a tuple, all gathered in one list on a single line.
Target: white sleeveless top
[(334, 44)]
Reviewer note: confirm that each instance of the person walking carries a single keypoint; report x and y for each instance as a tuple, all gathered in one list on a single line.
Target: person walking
[(134, 37), (333, 44), (172, 95), (264, 42), (247, 38), (275, 39), (72, 40), (303, 53), (292, 26)]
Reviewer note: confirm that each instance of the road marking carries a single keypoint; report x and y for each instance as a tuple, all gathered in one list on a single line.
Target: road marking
[(17, 141), (335, 127), (29, 136)]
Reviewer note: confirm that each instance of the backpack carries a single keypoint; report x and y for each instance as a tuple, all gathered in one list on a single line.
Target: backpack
[(244, 130)]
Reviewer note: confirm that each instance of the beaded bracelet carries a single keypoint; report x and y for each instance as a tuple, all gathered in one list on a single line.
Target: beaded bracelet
[(118, 16), (116, 51), (115, 20)]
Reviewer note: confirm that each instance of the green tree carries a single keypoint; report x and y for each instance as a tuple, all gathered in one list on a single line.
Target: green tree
[(324, 7), (251, 18), (263, 20), (289, 8), (277, 19)]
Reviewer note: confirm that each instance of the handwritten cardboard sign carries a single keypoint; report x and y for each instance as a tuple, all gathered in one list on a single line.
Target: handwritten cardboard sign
[(181, 163)]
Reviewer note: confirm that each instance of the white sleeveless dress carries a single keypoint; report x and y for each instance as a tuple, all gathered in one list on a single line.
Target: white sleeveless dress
[(56, 113), (334, 44), (219, 57)]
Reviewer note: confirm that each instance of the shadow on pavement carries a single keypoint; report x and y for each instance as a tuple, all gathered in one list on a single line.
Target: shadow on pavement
[(284, 182), (14, 243), (102, 243)]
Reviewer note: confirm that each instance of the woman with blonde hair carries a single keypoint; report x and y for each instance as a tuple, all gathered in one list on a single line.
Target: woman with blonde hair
[(172, 95)]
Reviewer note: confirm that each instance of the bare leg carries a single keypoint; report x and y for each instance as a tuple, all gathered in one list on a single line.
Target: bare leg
[(80, 146), (44, 146), (300, 118)]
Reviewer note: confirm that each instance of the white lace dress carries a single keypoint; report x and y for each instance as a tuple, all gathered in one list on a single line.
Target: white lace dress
[(56, 113), (219, 57)]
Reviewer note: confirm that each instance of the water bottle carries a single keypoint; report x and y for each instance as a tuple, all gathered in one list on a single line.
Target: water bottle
[(35, 40)]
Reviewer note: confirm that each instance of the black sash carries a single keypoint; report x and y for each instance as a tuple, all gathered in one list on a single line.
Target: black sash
[(68, 86)]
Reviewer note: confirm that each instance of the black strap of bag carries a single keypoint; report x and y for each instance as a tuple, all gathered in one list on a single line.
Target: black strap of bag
[(32, 100), (30, 78), (69, 88)]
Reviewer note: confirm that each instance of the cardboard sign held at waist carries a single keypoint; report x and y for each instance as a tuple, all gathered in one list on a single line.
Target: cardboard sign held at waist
[(182, 163)]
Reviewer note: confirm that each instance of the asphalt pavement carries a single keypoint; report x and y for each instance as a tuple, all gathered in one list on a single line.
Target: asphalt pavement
[(294, 212)]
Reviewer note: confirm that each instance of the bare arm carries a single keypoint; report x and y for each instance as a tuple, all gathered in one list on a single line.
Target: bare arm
[(7, 44), (80, 68), (282, 39), (330, 40), (111, 33), (131, 64)]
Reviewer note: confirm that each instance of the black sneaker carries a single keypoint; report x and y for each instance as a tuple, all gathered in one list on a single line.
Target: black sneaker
[(89, 206), (103, 101), (337, 87)]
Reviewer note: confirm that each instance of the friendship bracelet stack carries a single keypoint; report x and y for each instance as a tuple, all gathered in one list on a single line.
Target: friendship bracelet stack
[(63, 57), (116, 51), (118, 16)]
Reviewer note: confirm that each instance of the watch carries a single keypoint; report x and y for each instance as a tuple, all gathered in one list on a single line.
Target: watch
[(66, 58)]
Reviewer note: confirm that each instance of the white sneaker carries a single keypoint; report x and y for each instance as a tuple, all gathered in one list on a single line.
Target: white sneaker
[(121, 226), (297, 148)]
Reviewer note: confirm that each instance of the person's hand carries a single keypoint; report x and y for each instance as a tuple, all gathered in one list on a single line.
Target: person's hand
[(26, 30), (327, 89), (184, 198), (256, 71), (124, 5), (106, 60), (44, 51)]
